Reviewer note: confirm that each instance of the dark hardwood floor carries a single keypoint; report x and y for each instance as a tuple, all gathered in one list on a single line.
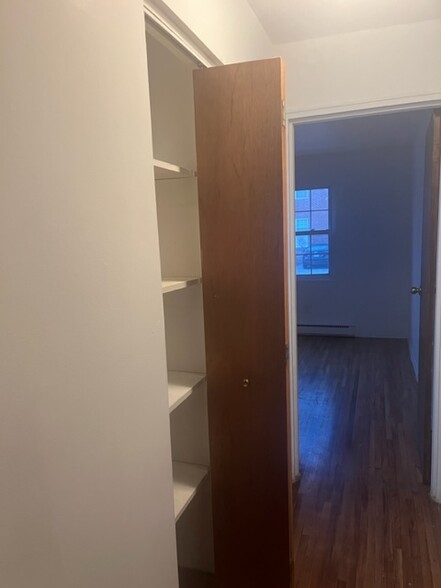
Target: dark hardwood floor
[(363, 518)]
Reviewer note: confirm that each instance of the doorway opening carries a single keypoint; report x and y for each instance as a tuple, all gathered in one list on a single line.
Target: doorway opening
[(364, 222)]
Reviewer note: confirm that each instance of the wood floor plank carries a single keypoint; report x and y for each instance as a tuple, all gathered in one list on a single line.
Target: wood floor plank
[(363, 518)]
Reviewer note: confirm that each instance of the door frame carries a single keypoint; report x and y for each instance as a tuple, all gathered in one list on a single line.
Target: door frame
[(163, 19), (295, 119), (435, 485)]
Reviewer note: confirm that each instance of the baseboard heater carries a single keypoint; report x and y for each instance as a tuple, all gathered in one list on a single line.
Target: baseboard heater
[(330, 330)]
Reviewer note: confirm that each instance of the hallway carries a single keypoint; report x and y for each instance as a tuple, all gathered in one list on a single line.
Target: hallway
[(362, 517)]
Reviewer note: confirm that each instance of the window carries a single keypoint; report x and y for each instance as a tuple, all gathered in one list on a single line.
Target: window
[(312, 232)]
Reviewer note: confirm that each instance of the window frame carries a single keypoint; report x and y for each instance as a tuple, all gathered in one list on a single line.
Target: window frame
[(312, 232)]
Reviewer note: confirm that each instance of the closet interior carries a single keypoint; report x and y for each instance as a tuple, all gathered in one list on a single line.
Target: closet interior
[(170, 72)]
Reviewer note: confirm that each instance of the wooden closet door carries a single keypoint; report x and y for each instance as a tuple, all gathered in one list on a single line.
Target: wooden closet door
[(241, 179)]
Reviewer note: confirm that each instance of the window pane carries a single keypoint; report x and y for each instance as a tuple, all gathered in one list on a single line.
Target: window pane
[(303, 200), (320, 220), (303, 221), (302, 244), (303, 249), (312, 214), (319, 199), (300, 266), (320, 254), (320, 241)]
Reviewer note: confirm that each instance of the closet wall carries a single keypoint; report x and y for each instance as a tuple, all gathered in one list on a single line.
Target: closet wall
[(85, 492)]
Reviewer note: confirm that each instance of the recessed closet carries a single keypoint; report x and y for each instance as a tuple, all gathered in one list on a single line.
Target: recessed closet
[(218, 145)]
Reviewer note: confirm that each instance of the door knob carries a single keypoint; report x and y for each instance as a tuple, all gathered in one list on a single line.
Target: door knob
[(415, 290), (245, 382)]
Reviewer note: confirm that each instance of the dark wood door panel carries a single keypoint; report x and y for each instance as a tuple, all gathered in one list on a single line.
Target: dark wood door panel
[(240, 153)]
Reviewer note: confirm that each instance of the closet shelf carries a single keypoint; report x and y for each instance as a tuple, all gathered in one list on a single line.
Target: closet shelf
[(172, 284), (169, 171), (180, 387), (186, 480)]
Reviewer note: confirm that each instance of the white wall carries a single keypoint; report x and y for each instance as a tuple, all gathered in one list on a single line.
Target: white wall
[(229, 28), (392, 65), (380, 67), (85, 486), (370, 242)]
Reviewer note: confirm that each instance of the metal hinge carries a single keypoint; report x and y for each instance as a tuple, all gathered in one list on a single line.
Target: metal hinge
[(283, 114), (287, 351)]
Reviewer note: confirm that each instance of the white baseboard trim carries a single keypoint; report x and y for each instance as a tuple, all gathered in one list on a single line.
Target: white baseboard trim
[(327, 330)]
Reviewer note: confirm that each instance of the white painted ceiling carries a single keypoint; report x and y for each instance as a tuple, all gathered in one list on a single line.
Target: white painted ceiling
[(364, 132), (296, 20)]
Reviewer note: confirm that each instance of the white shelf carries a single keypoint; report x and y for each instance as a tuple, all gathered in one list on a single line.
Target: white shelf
[(180, 387), (169, 171), (173, 284), (186, 479)]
